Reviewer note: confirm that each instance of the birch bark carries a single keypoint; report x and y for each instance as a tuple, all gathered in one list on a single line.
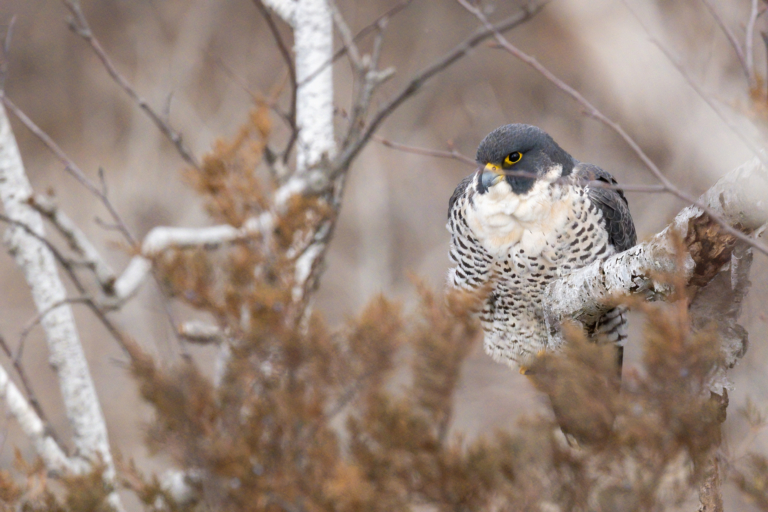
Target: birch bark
[(66, 354), (739, 198)]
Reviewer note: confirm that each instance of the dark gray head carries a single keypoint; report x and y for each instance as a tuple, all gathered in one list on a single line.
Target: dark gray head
[(526, 150)]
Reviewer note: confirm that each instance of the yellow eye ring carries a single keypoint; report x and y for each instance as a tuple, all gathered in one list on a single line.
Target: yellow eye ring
[(513, 158)]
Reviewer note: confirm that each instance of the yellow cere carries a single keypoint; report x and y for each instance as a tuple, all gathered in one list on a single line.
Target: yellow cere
[(513, 158)]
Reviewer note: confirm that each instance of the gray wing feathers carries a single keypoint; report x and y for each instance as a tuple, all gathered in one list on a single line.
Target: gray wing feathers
[(613, 204)]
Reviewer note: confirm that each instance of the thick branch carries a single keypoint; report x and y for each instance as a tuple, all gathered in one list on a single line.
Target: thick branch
[(66, 353), (313, 45), (77, 241), (739, 198), (33, 427)]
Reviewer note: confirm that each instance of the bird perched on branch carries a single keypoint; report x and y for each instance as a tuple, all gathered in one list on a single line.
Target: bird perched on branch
[(530, 214)]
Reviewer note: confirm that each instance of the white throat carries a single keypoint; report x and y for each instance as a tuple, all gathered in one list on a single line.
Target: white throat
[(500, 218)]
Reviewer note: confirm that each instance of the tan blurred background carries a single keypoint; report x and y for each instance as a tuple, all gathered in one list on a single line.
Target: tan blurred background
[(198, 56)]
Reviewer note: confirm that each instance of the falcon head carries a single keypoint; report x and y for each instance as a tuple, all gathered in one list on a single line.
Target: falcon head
[(519, 155)]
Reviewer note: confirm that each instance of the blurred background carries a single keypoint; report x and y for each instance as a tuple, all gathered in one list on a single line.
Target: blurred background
[(201, 61)]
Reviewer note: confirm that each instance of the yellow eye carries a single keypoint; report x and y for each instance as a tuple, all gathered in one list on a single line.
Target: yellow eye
[(513, 158)]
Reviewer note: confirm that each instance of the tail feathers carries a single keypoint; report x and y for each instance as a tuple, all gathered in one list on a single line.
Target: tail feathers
[(612, 327)]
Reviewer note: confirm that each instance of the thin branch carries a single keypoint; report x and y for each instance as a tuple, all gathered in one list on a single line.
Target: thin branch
[(749, 44), (286, 55), (5, 53), (66, 352), (31, 396), (453, 154), (77, 241), (731, 39), (162, 238), (346, 36), (696, 87), (368, 77), (596, 114), (69, 166), (417, 81), (79, 25), (34, 428), (764, 37), (371, 27), (286, 9)]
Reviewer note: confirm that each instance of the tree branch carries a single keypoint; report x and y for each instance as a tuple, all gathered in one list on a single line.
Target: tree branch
[(286, 9), (731, 38), (69, 166), (415, 83), (66, 353), (595, 113), (696, 87), (79, 25), (749, 44), (738, 198), (33, 427), (285, 53), (313, 45), (77, 241)]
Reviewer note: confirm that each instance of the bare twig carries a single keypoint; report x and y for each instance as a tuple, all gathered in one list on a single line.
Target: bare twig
[(66, 352), (77, 241), (731, 39), (79, 25), (417, 81), (453, 154), (39, 318), (346, 36), (31, 396), (6, 51), (285, 53), (596, 114), (371, 27), (368, 77), (749, 44), (69, 166), (764, 37), (696, 87)]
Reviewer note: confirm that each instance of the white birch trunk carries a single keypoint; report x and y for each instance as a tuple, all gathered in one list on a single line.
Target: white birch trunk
[(313, 46), (38, 264), (54, 458)]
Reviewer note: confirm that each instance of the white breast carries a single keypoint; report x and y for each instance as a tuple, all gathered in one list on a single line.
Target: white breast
[(501, 219)]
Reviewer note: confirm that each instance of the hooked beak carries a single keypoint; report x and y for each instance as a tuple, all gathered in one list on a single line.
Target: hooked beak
[(491, 175)]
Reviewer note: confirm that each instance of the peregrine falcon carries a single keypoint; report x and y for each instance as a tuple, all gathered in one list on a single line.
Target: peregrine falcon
[(530, 214)]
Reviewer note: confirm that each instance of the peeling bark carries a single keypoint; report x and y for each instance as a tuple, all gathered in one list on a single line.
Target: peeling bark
[(739, 198), (716, 265)]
